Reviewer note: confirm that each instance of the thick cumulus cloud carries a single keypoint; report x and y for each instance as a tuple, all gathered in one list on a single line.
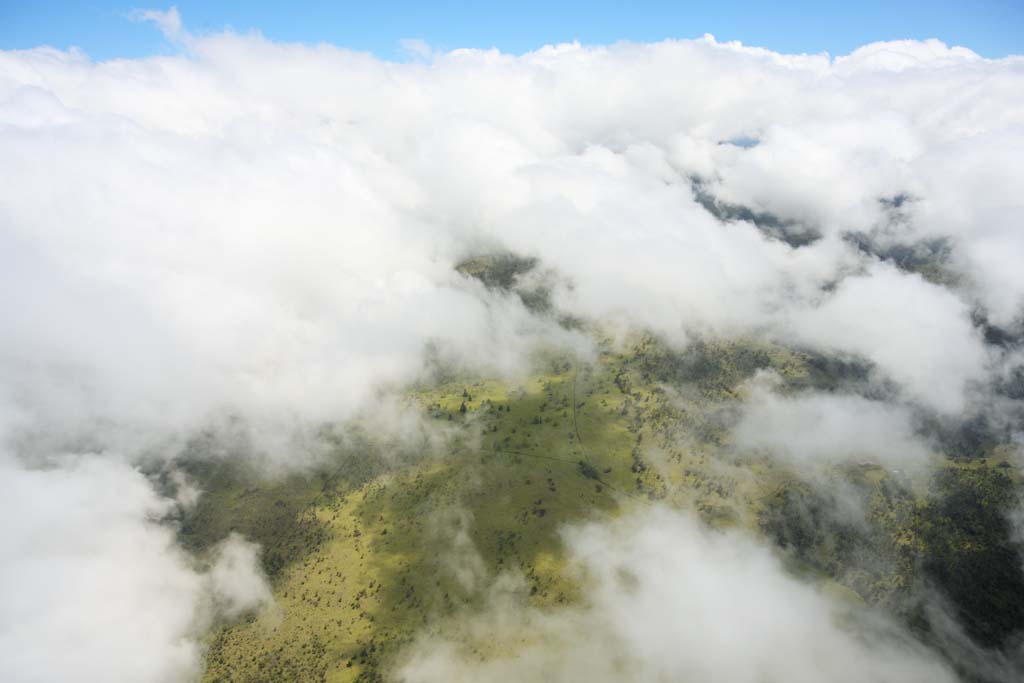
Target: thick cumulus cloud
[(94, 589), (668, 600), (269, 231)]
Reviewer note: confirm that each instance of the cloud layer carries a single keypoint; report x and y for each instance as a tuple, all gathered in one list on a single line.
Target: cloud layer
[(669, 600), (271, 228), (270, 231)]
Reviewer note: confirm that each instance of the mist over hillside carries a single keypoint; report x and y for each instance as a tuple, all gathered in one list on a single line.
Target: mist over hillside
[(683, 361)]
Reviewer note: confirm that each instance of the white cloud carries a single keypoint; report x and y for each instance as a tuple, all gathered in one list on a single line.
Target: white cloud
[(669, 600), (417, 48), (168, 21), (918, 333), (92, 588), (823, 429), (242, 187), (236, 581)]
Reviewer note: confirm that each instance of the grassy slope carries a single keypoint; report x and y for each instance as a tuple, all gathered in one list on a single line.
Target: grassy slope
[(361, 555)]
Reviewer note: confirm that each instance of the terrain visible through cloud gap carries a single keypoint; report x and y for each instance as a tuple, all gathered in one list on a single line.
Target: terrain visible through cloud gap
[(680, 361)]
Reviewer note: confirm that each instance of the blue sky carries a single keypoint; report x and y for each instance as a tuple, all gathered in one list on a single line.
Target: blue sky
[(992, 28)]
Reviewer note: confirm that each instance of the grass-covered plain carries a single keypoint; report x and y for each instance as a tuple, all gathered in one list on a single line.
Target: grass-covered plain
[(384, 542)]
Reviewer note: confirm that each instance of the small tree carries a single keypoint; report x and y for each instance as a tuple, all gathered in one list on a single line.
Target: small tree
[(462, 408), (588, 470)]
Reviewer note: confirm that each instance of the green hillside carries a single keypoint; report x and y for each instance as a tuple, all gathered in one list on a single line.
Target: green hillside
[(389, 540)]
